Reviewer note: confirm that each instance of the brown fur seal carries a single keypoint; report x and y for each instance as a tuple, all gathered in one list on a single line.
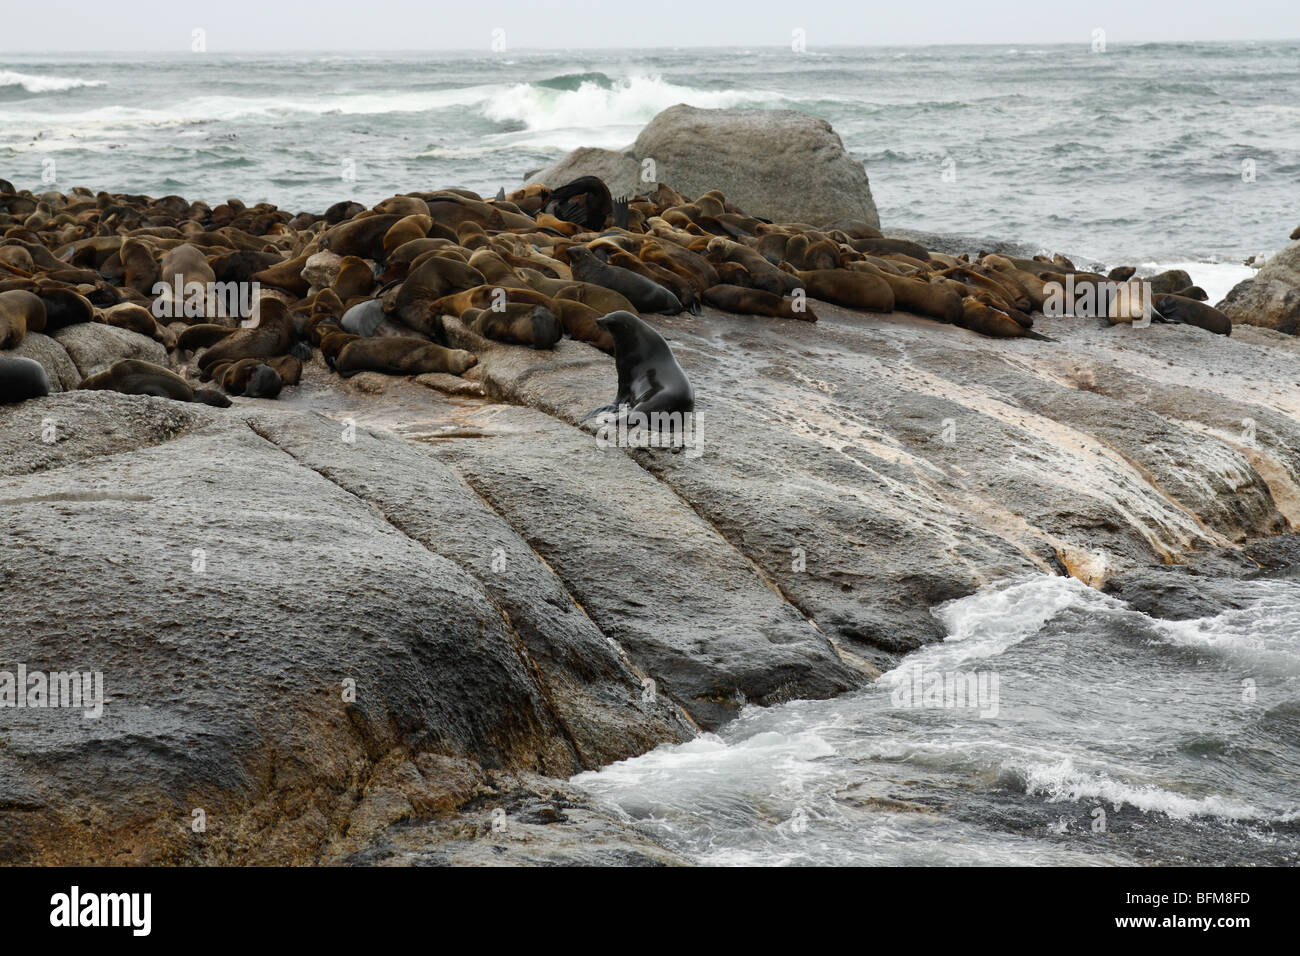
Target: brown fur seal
[(978, 316), (733, 298), (273, 335), (333, 342), (202, 336), (582, 324), (133, 377), (401, 356), (597, 297), (362, 237), (519, 324), (20, 312), (488, 296), (855, 290), (136, 318), (763, 275), (354, 279), (250, 377)]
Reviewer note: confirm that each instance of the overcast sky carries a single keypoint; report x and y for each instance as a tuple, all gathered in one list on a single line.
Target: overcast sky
[(235, 25)]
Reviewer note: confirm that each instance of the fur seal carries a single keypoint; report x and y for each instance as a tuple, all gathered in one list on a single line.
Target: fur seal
[(63, 307), (401, 356), (202, 336), (649, 378), (251, 378), (272, 335), (582, 324), (979, 316), (362, 237), (1176, 308), (136, 318), (22, 378), (20, 312), (520, 323), (134, 377), (855, 290), (585, 201), (734, 298)]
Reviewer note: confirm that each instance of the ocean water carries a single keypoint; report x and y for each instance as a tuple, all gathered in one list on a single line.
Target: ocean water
[(1155, 153), (1115, 739)]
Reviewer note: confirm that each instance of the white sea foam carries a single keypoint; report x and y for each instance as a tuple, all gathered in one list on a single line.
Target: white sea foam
[(1216, 278), (1263, 638), (631, 101), (45, 84), (986, 624), (209, 108), (1060, 782)]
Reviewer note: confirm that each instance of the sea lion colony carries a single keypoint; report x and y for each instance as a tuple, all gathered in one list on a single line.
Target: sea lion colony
[(525, 268)]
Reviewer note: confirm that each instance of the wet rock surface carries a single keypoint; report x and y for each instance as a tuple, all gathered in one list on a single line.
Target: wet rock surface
[(516, 603)]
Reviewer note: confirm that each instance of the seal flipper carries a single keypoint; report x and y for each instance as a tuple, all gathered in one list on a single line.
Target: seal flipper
[(613, 407)]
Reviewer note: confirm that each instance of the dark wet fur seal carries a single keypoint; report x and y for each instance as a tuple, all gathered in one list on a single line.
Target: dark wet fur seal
[(1175, 308), (646, 295), (649, 378), (22, 378), (585, 201)]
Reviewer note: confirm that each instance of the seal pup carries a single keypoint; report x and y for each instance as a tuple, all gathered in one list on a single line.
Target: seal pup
[(649, 378), (22, 378)]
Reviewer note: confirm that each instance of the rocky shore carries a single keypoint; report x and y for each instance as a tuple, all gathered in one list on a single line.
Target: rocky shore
[(1107, 451), (382, 619)]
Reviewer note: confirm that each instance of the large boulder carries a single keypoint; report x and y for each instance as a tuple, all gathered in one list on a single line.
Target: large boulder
[(1272, 298), (620, 171), (94, 346), (303, 638), (59, 367), (781, 165)]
